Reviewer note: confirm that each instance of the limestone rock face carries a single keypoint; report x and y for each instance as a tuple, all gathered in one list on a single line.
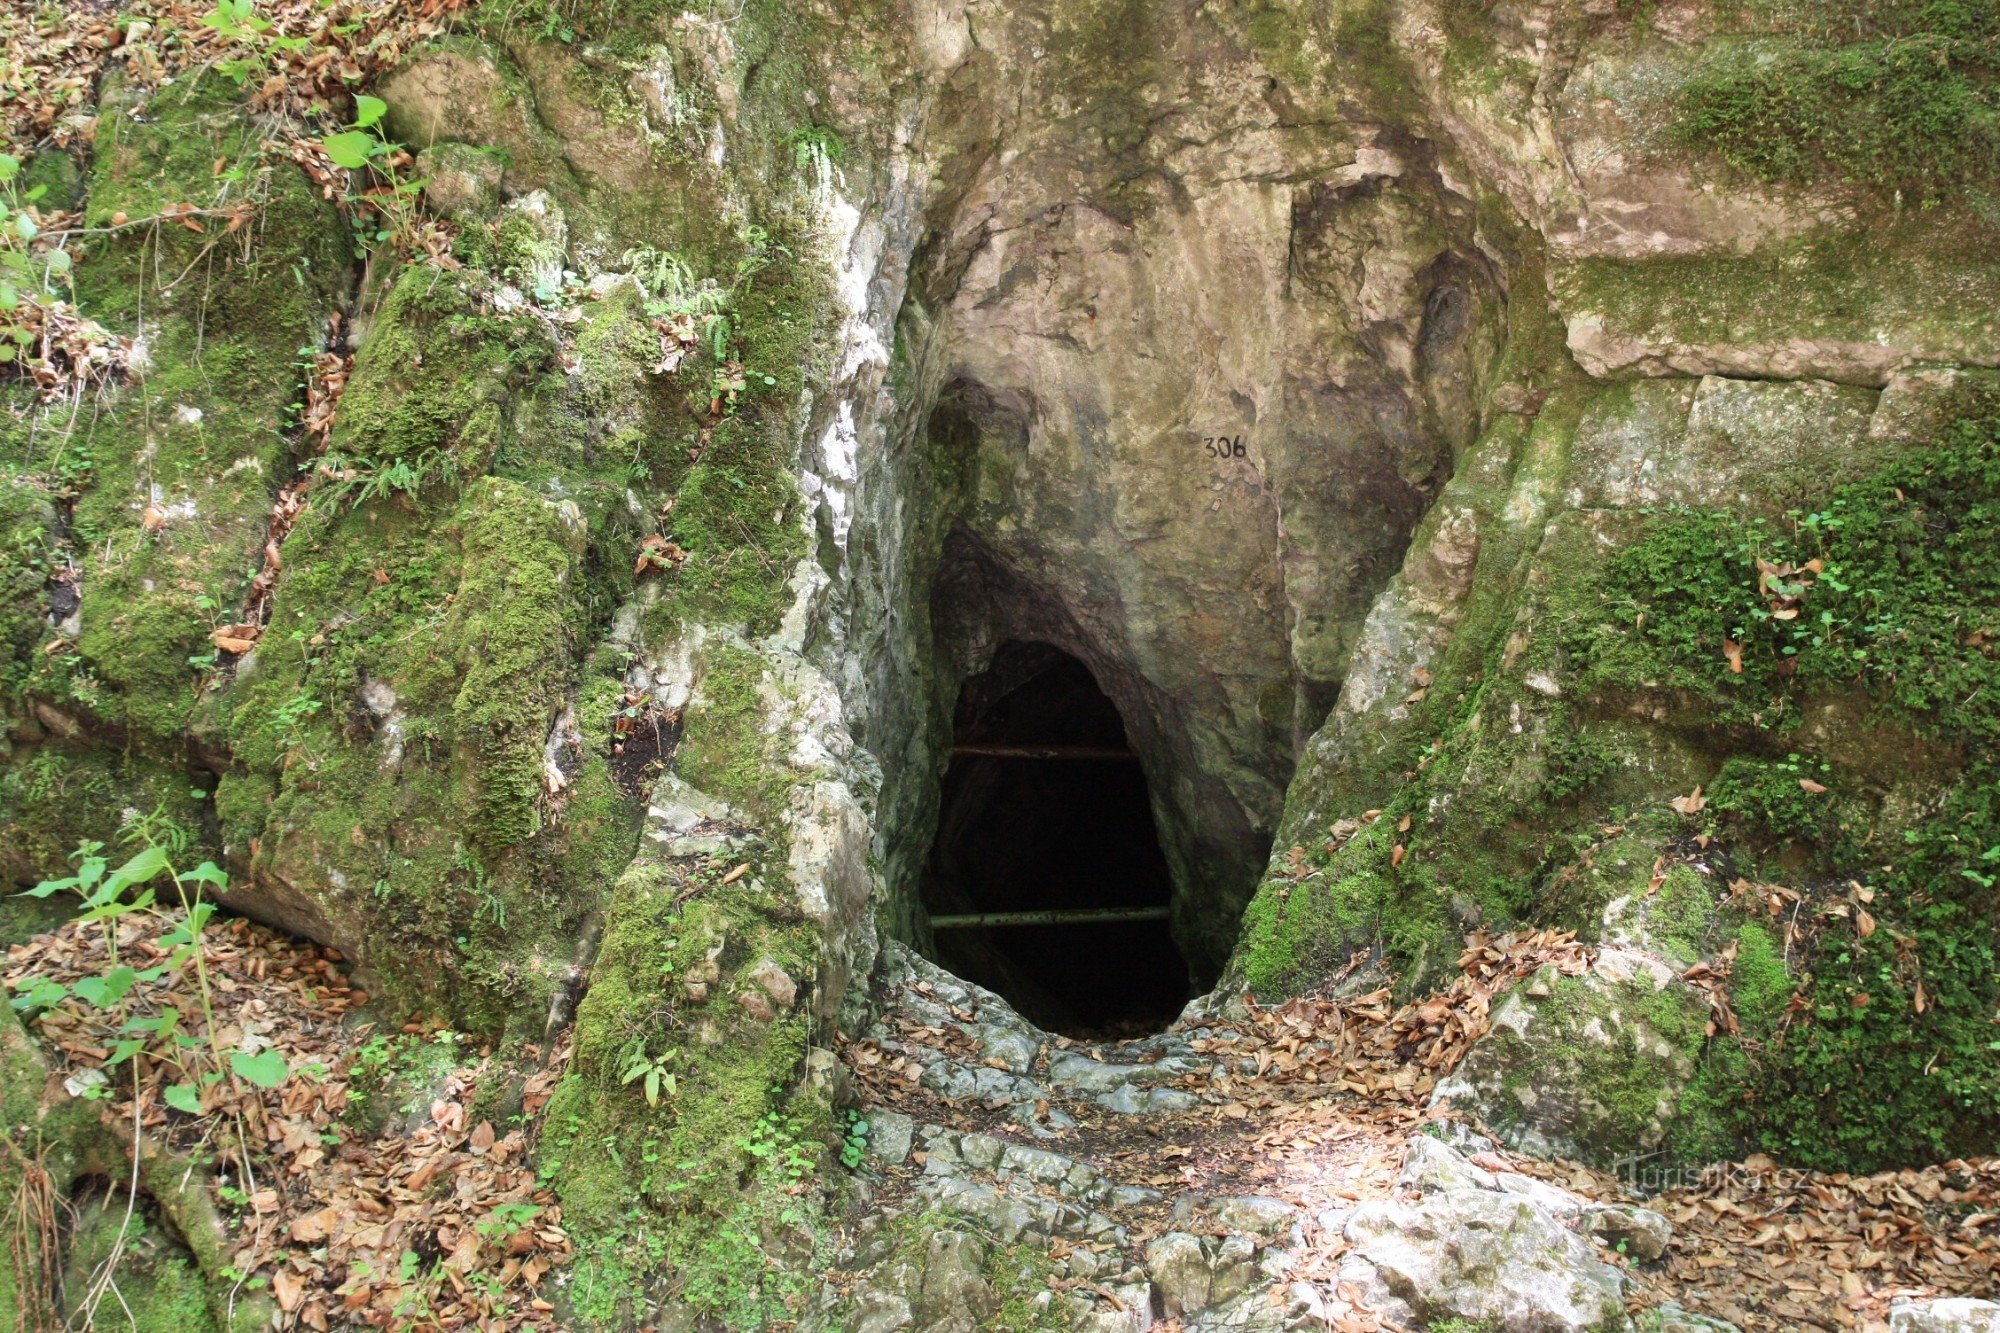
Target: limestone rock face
[(1484, 1245), (1203, 362)]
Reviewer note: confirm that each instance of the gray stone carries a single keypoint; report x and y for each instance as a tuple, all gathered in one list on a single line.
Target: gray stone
[(1486, 1255), (1001, 1216), (981, 1152), (940, 1148), (1672, 1318), (1102, 1228), (1013, 1046), (775, 982), (1433, 1167), (1638, 1232), (949, 1080), (1949, 1315), (460, 181), (996, 1087), (879, 1312), (1134, 1196), (1232, 1267), (1046, 1167), (1552, 1199), (1744, 443), (1082, 1181), (1099, 1317), (889, 1136), (1255, 1214), (1129, 1100), (1191, 1273), (1073, 1069), (1180, 1271), (954, 1287), (1532, 1077)]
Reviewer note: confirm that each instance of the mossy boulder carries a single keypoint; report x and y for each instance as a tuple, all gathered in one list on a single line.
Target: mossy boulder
[(1590, 1067)]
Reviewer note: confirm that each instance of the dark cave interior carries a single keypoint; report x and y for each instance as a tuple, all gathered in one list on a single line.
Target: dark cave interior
[(1045, 809)]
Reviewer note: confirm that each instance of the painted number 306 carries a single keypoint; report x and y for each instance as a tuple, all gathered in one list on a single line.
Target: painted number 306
[(1224, 446)]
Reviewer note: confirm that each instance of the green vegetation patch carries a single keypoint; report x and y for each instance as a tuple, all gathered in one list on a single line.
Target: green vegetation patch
[(1900, 97), (173, 480), (1889, 588), (687, 1158)]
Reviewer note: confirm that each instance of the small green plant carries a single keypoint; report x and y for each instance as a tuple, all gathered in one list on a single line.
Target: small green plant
[(653, 1073), (251, 37), (815, 149), (506, 1219), (21, 269), (361, 144), (779, 1139), (854, 1139), (670, 287), (292, 716), (159, 1036)]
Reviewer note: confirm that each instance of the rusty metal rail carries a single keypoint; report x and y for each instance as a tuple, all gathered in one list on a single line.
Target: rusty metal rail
[(1078, 917), (1091, 752)]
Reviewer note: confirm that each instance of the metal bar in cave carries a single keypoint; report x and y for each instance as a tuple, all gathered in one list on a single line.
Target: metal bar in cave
[(1040, 752), (1083, 917)]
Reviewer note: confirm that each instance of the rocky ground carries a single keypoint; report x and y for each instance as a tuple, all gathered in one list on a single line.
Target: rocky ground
[(1292, 1167), (1281, 1169)]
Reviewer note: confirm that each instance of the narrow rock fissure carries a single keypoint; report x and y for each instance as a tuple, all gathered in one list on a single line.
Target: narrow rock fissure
[(1046, 881)]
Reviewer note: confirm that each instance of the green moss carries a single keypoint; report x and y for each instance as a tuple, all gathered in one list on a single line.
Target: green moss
[(1769, 799), (736, 512), (726, 749), (1610, 889), (28, 556), (160, 1289), (1021, 1273), (1913, 280), (431, 399), (514, 642), (390, 736), (703, 1191), (183, 463), (61, 1136), (1327, 53), (1716, 1123), (1760, 983), (1902, 602), (1895, 97), (1620, 1051), (55, 796), (1295, 932)]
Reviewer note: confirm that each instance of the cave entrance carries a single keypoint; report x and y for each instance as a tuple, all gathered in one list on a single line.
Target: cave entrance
[(1046, 882)]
